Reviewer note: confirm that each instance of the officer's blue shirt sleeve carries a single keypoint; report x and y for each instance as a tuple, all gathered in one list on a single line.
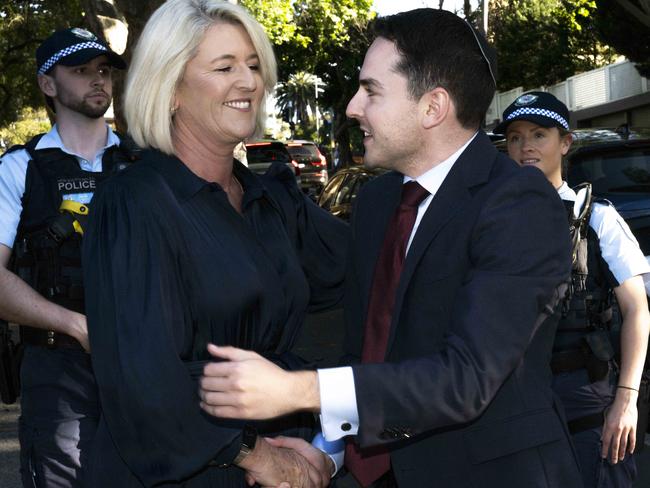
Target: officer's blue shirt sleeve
[(13, 168), (618, 246)]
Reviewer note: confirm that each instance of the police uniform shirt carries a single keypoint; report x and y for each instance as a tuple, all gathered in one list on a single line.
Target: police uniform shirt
[(618, 246), (13, 171)]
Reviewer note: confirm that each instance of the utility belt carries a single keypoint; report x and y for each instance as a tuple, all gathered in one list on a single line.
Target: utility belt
[(48, 338), (573, 360), (577, 347)]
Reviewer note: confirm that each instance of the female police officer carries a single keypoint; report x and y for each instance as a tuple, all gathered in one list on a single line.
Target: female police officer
[(599, 395)]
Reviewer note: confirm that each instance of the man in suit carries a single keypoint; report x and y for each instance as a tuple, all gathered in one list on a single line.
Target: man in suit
[(452, 285)]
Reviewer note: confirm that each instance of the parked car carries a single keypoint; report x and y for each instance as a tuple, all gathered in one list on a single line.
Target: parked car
[(263, 153), (339, 194), (617, 164), (312, 165)]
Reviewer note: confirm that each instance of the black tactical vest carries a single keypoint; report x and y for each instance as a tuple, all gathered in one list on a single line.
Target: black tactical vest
[(587, 310), (47, 249)]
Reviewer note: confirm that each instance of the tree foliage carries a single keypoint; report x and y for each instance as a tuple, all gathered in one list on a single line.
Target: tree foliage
[(625, 25), (30, 122), (296, 98), (24, 25), (542, 42), (324, 37)]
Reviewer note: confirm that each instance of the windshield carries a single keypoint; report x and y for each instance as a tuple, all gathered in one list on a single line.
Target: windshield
[(626, 171)]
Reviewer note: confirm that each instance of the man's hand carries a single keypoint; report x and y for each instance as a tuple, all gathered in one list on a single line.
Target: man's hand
[(619, 430), (247, 386), (317, 458), (279, 467)]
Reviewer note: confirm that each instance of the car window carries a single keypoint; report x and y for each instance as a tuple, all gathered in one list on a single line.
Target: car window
[(641, 230), (613, 172), (304, 150), (265, 154)]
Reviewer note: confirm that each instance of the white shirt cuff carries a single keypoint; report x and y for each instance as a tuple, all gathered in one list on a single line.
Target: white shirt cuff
[(338, 403)]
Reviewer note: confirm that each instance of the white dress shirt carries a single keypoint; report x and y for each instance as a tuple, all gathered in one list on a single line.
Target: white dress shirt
[(339, 413)]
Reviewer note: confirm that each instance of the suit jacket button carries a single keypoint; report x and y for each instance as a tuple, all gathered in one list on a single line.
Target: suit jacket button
[(345, 426)]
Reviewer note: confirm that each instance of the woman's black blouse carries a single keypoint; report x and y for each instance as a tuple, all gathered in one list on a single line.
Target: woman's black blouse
[(169, 266)]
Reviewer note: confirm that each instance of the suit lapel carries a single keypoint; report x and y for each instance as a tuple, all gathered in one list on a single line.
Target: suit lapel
[(471, 169)]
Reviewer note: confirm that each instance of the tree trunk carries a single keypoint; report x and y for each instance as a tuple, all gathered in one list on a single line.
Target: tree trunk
[(135, 15)]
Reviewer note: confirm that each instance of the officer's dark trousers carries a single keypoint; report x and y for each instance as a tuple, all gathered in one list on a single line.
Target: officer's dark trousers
[(59, 414), (581, 398)]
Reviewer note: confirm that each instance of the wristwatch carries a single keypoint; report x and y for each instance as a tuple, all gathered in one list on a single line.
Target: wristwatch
[(248, 440)]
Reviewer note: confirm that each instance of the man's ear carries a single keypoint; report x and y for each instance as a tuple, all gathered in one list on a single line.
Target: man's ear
[(435, 107), (47, 85)]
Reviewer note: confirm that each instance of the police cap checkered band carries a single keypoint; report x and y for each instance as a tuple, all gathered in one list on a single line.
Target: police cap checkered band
[(73, 47), (541, 112), (45, 67), (541, 108)]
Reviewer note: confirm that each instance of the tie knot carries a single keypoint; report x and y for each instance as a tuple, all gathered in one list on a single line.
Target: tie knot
[(413, 194)]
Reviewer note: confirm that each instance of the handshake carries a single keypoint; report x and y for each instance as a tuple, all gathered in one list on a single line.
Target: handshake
[(244, 385), (287, 462)]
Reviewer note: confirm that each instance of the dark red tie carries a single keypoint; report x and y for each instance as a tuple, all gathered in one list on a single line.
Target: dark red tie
[(368, 467)]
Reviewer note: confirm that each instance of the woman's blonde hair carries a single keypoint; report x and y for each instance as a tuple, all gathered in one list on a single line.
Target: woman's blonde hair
[(169, 40)]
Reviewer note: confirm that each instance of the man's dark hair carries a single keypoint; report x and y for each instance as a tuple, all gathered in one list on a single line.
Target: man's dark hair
[(439, 49)]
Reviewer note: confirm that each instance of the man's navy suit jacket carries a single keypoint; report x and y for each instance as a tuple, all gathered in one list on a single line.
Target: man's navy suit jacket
[(464, 398)]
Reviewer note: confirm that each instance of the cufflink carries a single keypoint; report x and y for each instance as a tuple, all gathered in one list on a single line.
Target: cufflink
[(345, 426)]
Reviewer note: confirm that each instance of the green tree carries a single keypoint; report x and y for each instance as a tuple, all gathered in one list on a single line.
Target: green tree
[(324, 37), (30, 122), (25, 24), (542, 42), (296, 98), (625, 25)]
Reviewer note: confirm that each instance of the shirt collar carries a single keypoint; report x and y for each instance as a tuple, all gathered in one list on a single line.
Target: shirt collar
[(186, 183), (433, 178), (566, 192), (52, 140)]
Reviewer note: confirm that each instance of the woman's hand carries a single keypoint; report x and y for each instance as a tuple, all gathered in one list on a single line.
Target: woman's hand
[(619, 429)]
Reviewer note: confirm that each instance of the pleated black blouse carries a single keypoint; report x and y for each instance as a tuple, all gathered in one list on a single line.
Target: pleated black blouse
[(169, 266)]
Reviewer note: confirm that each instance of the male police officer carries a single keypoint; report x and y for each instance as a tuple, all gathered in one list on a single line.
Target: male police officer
[(45, 187)]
